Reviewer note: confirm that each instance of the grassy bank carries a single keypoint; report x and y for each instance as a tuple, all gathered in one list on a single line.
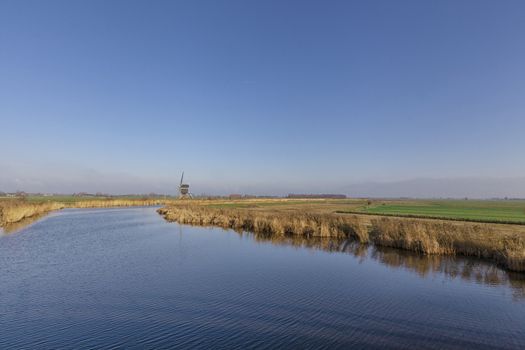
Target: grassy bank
[(504, 244), (14, 210)]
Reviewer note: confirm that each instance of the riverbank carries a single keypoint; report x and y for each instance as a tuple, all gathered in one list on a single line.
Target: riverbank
[(13, 211), (503, 244)]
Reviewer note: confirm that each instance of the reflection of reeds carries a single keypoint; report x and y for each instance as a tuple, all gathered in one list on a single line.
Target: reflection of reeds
[(423, 236), (466, 269), (16, 226)]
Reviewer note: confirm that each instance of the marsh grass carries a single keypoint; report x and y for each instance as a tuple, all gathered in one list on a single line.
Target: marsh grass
[(431, 237), (12, 211)]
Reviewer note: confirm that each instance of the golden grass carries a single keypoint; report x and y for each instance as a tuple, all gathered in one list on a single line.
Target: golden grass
[(504, 244), (13, 210), (488, 241)]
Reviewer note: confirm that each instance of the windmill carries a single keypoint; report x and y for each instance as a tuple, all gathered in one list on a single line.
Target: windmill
[(184, 189)]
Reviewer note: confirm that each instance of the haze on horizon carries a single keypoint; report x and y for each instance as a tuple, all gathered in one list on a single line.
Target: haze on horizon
[(383, 98)]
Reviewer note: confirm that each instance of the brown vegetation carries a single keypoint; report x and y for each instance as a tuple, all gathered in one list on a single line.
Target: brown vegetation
[(501, 244), (12, 211)]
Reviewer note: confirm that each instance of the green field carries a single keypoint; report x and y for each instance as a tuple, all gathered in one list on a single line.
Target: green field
[(510, 211)]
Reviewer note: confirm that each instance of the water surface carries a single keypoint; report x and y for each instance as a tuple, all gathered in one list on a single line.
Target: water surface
[(105, 278)]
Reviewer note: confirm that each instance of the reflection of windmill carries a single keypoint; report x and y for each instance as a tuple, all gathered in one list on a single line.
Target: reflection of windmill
[(184, 189)]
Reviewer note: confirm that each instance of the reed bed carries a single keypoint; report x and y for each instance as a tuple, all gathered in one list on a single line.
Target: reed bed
[(489, 241), (13, 211)]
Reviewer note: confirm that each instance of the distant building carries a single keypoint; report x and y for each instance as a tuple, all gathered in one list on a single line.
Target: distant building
[(323, 195), (83, 194)]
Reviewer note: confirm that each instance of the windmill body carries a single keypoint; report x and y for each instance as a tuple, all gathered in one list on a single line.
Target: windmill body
[(184, 189)]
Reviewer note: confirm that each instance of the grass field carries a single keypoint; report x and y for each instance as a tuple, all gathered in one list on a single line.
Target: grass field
[(490, 211), (511, 211)]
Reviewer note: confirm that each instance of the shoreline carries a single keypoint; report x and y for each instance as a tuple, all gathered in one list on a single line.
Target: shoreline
[(15, 212), (499, 243)]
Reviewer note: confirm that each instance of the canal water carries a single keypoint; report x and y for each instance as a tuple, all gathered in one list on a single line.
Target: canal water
[(125, 278)]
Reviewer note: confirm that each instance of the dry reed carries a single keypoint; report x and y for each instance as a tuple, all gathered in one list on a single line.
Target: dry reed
[(13, 211)]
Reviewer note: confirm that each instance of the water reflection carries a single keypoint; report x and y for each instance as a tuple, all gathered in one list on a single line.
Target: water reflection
[(17, 226), (454, 267)]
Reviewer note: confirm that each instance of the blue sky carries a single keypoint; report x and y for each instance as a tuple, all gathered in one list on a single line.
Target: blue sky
[(259, 96)]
